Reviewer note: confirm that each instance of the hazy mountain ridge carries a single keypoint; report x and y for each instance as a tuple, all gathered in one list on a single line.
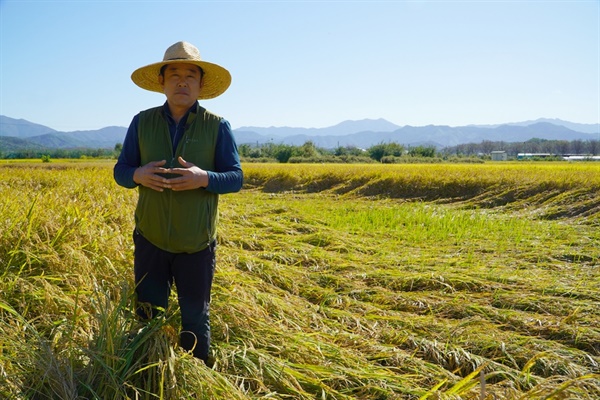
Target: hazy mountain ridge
[(33, 136), (439, 136), (21, 128), (585, 128), (102, 138), (11, 143), (341, 129), (363, 133)]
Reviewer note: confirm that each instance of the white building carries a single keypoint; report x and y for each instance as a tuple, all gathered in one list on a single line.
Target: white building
[(499, 155)]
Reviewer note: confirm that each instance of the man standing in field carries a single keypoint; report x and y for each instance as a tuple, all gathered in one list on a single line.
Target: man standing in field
[(181, 157)]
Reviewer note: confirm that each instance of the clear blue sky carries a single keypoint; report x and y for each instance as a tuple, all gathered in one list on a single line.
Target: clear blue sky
[(67, 64)]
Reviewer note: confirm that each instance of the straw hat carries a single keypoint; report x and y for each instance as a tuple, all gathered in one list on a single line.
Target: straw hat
[(216, 78)]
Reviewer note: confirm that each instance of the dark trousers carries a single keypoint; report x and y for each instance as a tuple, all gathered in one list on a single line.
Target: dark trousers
[(155, 272)]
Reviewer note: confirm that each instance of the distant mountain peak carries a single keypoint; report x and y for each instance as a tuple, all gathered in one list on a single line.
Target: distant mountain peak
[(347, 127), (363, 125), (585, 128), (21, 128)]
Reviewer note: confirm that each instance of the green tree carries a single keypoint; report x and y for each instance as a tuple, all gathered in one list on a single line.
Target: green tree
[(309, 150), (378, 151), (282, 152), (422, 151)]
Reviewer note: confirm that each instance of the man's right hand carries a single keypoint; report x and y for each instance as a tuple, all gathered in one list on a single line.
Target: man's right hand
[(147, 175)]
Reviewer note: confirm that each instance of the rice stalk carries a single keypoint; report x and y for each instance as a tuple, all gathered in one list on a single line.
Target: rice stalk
[(375, 297)]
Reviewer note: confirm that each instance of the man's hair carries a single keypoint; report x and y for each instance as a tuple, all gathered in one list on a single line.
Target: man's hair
[(162, 70)]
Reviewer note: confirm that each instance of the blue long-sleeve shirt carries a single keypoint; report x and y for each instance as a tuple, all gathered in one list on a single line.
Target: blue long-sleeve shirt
[(227, 176)]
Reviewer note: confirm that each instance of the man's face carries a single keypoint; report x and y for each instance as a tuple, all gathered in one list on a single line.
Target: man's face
[(181, 84)]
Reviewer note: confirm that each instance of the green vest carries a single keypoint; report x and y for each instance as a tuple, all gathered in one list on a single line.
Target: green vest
[(178, 222)]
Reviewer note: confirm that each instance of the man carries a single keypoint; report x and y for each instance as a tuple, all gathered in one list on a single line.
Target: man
[(181, 157)]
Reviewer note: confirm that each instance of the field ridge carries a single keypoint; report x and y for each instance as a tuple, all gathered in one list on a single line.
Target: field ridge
[(548, 190)]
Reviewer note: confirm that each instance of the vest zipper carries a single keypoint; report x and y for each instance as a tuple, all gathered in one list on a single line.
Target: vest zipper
[(170, 199)]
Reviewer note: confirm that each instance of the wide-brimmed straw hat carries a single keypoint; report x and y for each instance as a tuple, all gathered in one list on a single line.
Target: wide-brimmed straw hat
[(216, 78)]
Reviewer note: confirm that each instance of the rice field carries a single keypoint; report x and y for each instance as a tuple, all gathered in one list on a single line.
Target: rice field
[(333, 282)]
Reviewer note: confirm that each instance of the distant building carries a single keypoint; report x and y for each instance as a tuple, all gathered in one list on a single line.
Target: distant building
[(581, 158), (499, 156), (526, 156)]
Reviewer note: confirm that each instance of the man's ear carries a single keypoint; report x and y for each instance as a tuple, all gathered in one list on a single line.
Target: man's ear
[(161, 80)]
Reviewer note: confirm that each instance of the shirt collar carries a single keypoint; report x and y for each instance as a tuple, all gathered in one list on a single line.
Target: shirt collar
[(193, 110)]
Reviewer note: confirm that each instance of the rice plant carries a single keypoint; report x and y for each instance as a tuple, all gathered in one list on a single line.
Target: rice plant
[(333, 282)]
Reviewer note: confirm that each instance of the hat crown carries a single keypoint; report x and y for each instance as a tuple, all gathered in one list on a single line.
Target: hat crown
[(182, 51)]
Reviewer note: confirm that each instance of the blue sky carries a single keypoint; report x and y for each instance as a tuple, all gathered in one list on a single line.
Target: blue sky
[(67, 64)]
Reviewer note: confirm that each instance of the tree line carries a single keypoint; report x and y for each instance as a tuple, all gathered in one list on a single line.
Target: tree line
[(555, 147), (47, 154), (309, 152), (390, 152), (394, 153)]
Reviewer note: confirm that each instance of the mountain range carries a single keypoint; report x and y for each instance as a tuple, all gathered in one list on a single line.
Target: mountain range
[(17, 134)]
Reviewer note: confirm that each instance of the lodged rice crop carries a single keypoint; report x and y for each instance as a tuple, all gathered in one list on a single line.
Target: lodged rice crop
[(333, 281)]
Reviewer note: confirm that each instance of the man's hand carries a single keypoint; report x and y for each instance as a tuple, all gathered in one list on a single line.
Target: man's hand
[(192, 177), (147, 175)]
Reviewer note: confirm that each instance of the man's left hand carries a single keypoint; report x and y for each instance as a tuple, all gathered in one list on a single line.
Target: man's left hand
[(192, 177)]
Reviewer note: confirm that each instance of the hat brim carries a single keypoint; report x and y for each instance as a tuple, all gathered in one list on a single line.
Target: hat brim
[(216, 78)]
